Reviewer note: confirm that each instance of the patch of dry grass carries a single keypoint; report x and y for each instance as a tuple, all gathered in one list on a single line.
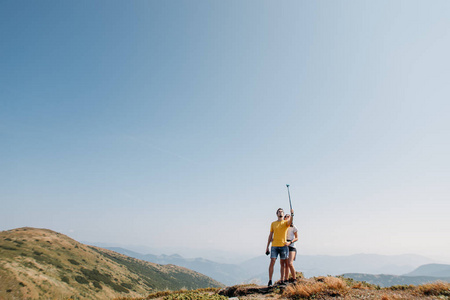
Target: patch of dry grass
[(390, 297), (437, 288), (336, 283), (360, 285), (304, 290), (323, 285)]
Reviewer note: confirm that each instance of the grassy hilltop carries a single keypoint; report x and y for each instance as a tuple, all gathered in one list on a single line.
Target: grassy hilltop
[(40, 263)]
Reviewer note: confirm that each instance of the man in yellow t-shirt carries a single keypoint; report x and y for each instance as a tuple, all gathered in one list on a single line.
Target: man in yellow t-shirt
[(277, 236)]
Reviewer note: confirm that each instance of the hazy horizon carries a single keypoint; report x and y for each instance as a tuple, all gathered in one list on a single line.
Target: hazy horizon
[(236, 257), (178, 124)]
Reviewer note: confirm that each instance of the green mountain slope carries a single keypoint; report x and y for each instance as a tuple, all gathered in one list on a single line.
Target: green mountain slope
[(228, 274), (40, 263), (436, 270)]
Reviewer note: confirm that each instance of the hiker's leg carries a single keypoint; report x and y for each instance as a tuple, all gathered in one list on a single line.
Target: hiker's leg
[(281, 269), (272, 263), (286, 269), (292, 255), (284, 256)]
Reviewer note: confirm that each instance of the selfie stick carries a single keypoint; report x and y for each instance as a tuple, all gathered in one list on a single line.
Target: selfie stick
[(289, 194)]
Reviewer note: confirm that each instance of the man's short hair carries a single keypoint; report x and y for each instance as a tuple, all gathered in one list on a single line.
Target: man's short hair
[(279, 210)]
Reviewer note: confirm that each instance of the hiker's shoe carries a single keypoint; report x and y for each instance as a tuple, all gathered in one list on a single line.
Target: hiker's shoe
[(270, 283), (292, 280), (282, 283)]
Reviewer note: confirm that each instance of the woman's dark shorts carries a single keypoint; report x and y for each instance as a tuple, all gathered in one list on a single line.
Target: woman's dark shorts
[(293, 249)]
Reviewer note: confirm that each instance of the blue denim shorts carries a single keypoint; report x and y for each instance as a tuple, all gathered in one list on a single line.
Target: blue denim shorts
[(283, 251)]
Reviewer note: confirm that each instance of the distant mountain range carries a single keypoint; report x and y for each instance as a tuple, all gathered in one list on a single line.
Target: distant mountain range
[(423, 274), (321, 265), (255, 270), (391, 280), (43, 264)]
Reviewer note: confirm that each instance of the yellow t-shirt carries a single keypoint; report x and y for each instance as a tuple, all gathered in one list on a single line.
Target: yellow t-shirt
[(279, 229)]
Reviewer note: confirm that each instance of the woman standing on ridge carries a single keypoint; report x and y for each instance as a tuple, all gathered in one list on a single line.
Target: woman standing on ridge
[(291, 238)]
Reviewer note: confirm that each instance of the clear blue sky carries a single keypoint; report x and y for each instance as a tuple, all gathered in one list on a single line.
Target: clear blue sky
[(178, 123)]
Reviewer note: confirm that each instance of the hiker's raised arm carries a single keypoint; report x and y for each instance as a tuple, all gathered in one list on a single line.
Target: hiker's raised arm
[(291, 218)]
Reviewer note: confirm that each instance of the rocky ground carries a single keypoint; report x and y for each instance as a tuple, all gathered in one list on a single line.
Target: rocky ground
[(336, 288)]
